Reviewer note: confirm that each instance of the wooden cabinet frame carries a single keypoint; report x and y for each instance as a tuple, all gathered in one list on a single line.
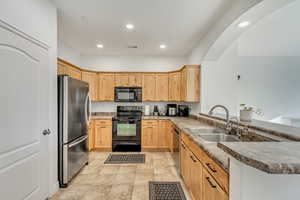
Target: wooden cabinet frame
[(181, 86)]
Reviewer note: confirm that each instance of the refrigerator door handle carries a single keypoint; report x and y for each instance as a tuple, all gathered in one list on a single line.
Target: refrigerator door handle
[(77, 141), (89, 108), (86, 113)]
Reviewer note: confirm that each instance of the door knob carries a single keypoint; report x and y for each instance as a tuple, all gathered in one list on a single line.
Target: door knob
[(46, 132)]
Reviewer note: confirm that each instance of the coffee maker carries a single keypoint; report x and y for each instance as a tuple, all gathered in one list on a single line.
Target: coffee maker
[(183, 110), (171, 109)]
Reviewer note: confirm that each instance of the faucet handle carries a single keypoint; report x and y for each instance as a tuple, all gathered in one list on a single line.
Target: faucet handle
[(228, 127)]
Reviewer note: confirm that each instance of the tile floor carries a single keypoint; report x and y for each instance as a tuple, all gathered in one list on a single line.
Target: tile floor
[(99, 181)]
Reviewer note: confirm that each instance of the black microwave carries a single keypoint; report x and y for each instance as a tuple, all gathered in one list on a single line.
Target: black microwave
[(128, 94)]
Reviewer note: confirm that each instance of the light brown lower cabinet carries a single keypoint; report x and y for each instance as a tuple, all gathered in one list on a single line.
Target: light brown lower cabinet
[(184, 164), (149, 134), (191, 171), (103, 134), (199, 181), (196, 171), (211, 189), (156, 135), (164, 138), (91, 135)]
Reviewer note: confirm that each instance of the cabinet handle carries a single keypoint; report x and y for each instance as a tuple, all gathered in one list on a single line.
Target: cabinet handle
[(210, 183), (193, 159), (211, 168)]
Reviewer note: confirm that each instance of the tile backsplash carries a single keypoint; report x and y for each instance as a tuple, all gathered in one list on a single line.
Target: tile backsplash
[(112, 106)]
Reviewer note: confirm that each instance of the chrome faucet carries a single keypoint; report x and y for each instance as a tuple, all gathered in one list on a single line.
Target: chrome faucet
[(227, 115)]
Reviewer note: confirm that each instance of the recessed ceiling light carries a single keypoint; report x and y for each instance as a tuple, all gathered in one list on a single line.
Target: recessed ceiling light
[(244, 24), (163, 46), (129, 26), (100, 46)]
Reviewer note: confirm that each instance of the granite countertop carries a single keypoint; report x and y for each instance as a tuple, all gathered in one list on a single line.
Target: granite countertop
[(270, 157), (217, 154), (280, 130)]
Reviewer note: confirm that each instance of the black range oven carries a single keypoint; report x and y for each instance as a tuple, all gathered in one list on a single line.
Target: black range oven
[(128, 94), (127, 129)]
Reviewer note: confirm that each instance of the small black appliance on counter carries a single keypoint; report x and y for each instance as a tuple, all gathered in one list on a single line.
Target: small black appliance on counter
[(183, 110), (171, 109)]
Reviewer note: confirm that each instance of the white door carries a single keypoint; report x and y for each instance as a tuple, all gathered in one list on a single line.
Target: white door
[(24, 114)]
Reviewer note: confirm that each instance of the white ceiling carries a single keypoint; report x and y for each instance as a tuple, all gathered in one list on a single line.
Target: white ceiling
[(180, 24)]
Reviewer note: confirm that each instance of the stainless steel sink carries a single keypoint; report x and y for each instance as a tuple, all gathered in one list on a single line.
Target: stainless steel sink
[(209, 137)]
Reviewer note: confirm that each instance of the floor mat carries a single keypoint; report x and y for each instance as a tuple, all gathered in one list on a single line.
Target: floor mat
[(125, 158), (166, 191)]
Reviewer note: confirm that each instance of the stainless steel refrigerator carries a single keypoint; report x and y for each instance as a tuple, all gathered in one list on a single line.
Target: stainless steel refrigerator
[(73, 117)]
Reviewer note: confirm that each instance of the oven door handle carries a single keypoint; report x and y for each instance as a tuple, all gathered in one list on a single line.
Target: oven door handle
[(128, 120)]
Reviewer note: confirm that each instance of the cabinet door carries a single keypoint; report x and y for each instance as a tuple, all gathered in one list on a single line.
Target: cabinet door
[(196, 175), (73, 72), (121, 80), (103, 136), (149, 136), (106, 90), (162, 87), (61, 69), (91, 135), (211, 190), (174, 86), (92, 79), (183, 92), (149, 87), (163, 133), (135, 79), (192, 83), (184, 164)]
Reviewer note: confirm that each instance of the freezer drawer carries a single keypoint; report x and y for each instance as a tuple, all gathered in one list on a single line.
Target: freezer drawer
[(75, 156)]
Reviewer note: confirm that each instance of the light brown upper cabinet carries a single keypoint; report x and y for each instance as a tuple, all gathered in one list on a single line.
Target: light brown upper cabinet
[(162, 87), (92, 79), (149, 87), (106, 86), (182, 85), (74, 72), (61, 68), (174, 86), (135, 80), (121, 80), (190, 83), (65, 68)]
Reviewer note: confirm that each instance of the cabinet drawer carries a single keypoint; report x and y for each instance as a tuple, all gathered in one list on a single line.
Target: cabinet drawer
[(216, 171), (192, 146), (149, 122), (212, 189), (212, 167), (103, 122)]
